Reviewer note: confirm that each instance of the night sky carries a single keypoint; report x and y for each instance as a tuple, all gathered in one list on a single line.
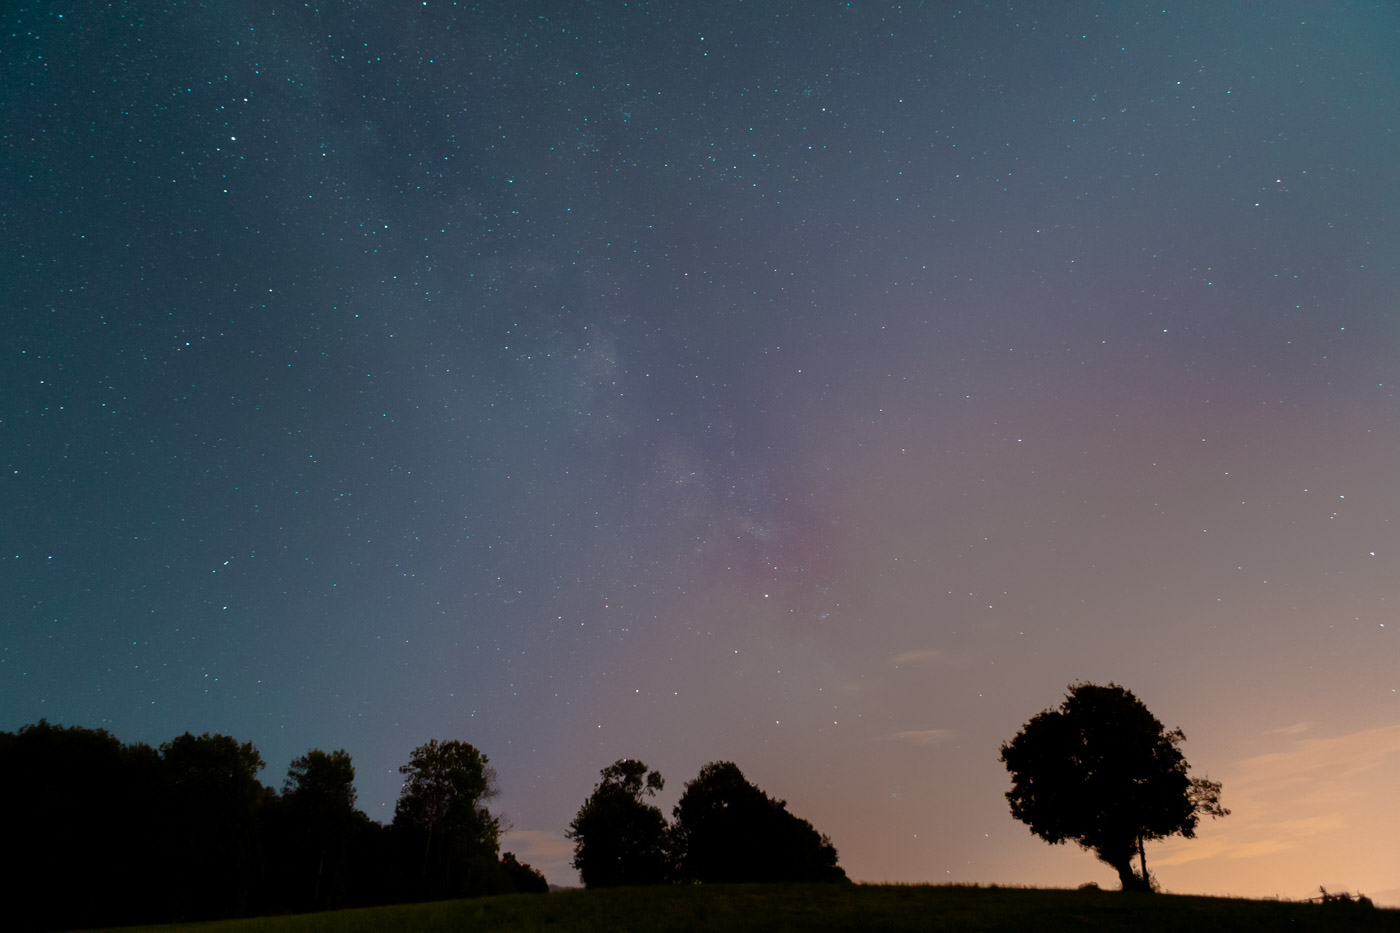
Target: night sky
[(818, 386)]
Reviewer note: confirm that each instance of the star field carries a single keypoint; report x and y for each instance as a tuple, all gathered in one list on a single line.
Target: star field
[(817, 386)]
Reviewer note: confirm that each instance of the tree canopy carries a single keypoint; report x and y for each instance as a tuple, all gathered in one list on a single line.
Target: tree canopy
[(443, 803), (211, 788), (324, 780), (81, 808), (619, 838), (727, 829), (321, 821), (1102, 771)]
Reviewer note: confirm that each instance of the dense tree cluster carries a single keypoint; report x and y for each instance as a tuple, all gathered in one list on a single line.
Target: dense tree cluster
[(725, 829), (101, 833)]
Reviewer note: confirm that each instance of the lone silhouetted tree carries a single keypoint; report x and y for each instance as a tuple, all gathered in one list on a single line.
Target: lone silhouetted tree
[(728, 830), (1102, 771), (619, 838)]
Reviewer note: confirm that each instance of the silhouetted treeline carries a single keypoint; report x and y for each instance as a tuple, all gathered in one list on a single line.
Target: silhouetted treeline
[(101, 833)]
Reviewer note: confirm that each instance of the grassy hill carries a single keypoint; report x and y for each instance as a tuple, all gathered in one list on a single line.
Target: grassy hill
[(690, 909)]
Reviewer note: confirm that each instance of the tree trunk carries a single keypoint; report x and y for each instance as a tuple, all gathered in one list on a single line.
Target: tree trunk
[(1142, 856), (1126, 878)]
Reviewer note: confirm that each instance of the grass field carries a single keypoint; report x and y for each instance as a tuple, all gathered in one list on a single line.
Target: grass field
[(690, 909)]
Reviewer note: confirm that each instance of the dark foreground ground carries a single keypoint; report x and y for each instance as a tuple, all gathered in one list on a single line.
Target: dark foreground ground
[(684, 909)]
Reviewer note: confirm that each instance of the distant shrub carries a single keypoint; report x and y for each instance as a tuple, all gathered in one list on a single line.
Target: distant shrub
[(1345, 898)]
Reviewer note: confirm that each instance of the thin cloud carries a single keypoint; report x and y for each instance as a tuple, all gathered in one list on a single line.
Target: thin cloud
[(1297, 728), (917, 656), (1307, 796), (547, 852), (922, 736), (1256, 849), (539, 843)]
